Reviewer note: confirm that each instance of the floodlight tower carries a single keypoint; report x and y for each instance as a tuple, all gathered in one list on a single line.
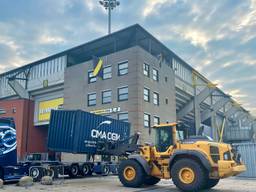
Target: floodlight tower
[(109, 5)]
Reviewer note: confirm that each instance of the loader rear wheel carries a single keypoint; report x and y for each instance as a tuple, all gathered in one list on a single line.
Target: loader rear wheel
[(151, 180), (211, 183), (131, 174), (189, 175)]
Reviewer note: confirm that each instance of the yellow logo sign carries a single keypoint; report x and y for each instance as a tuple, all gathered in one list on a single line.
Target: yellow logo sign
[(97, 68), (106, 111), (45, 108)]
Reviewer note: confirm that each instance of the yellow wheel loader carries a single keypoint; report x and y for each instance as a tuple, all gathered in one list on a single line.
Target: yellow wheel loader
[(193, 164)]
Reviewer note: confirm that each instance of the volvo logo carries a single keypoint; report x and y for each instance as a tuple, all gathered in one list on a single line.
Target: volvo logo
[(8, 141)]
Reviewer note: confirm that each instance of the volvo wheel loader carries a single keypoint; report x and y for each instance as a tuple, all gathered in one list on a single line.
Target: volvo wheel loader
[(193, 164)]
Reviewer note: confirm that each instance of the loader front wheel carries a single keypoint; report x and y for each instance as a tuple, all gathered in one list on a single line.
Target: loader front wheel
[(131, 173), (211, 183), (150, 180), (189, 175)]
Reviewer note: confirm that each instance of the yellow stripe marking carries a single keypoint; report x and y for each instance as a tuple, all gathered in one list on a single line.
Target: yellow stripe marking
[(98, 67)]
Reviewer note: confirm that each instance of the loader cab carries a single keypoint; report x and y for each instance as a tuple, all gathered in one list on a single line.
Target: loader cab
[(165, 136)]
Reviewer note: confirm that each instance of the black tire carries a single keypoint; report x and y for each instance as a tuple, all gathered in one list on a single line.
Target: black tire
[(2, 173), (137, 179), (74, 170), (36, 173), (150, 180), (211, 183), (51, 173), (105, 170), (196, 182), (86, 170)]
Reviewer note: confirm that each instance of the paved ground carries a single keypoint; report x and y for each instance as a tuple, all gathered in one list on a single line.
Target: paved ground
[(112, 184)]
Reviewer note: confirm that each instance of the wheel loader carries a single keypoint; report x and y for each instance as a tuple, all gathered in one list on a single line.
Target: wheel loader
[(193, 164)]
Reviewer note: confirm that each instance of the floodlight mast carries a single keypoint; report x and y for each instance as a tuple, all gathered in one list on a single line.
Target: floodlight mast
[(109, 5)]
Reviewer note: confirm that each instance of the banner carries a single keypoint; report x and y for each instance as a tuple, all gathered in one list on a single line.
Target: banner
[(45, 108), (97, 65)]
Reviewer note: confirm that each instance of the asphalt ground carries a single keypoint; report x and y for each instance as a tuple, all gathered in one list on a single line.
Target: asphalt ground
[(112, 184)]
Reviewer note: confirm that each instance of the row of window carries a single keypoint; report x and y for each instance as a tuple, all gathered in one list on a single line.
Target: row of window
[(121, 116), (182, 71), (155, 97), (146, 72), (107, 72), (147, 96), (40, 70), (147, 120), (47, 68), (106, 95)]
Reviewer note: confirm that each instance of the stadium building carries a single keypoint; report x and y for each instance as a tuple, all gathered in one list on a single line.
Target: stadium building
[(128, 75)]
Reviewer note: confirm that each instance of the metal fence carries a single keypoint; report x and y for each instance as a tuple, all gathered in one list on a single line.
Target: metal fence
[(248, 155)]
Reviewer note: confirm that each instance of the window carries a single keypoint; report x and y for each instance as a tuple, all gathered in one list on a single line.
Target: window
[(146, 94), (91, 99), (107, 72), (123, 117), (146, 69), (106, 96), (166, 79), (123, 94), (155, 75), (123, 68), (156, 120), (146, 120), (156, 98), (166, 100), (91, 78)]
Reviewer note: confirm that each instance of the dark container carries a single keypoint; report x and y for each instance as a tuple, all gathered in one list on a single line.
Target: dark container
[(76, 131)]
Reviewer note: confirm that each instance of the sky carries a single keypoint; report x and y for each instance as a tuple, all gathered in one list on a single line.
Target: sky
[(218, 38)]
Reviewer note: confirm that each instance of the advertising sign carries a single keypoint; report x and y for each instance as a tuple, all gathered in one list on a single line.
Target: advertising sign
[(45, 108), (106, 111)]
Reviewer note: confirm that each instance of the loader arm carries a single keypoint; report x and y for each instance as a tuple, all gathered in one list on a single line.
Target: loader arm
[(119, 148)]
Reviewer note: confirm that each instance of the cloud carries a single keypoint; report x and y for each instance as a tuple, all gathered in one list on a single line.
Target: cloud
[(48, 39), (237, 93), (11, 44), (91, 4), (196, 37), (249, 19), (152, 6), (216, 37)]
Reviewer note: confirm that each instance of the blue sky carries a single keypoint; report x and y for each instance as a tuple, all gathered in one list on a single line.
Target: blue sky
[(217, 37)]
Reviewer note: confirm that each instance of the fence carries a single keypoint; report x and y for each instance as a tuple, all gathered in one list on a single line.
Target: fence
[(248, 155)]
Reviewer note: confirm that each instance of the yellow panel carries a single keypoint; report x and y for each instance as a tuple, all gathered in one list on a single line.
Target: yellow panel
[(165, 125), (45, 108)]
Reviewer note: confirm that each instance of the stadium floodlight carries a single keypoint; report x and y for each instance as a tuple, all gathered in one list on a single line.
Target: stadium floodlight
[(109, 5)]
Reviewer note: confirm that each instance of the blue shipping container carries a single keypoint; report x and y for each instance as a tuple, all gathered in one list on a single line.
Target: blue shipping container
[(76, 131)]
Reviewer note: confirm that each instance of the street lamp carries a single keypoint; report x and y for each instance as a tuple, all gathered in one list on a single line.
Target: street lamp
[(109, 5)]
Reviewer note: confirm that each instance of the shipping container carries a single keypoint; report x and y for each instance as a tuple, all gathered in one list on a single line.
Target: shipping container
[(76, 131), (248, 155)]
